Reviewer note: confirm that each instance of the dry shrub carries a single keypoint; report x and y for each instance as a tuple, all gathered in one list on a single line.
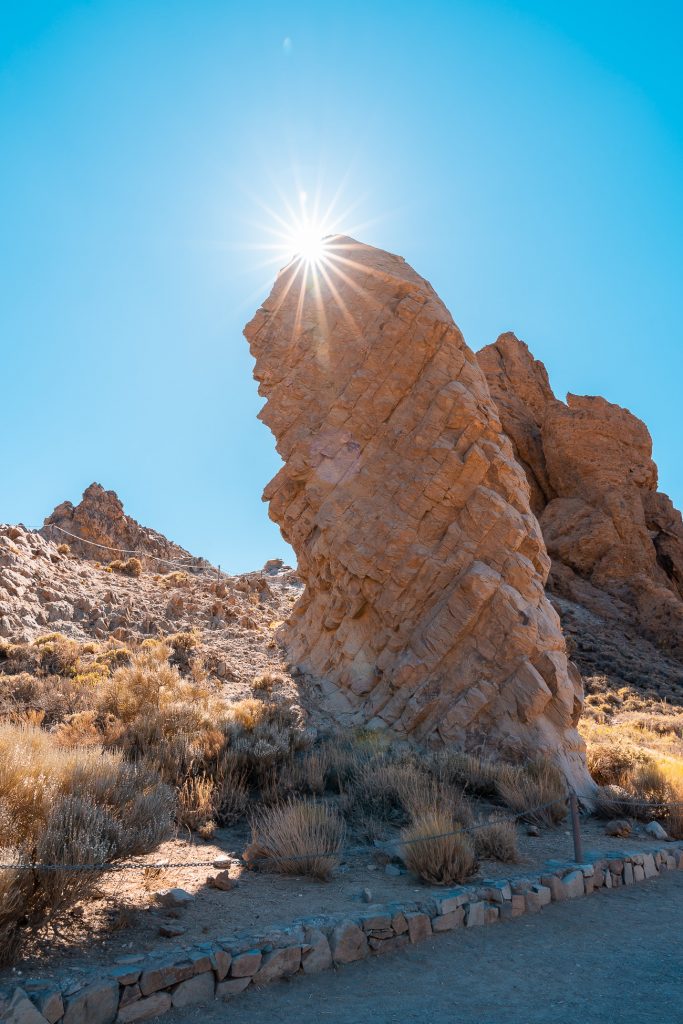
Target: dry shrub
[(127, 567), (67, 806), (265, 682), (478, 775), (611, 763), (537, 784), (644, 793), (298, 837), (383, 789), (247, 714), (185, 650), (232, 791), (196, 803), (497, 840), (435, 847), (63, 549)]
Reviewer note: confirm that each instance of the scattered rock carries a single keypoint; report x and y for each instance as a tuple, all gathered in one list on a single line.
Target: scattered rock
[(222, 881), (171, 931), (533, 830), (176, 898), (366, 896), (655, 830), (618, 827)]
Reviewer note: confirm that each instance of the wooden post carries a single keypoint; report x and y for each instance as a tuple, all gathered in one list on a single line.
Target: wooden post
[(576, 828)]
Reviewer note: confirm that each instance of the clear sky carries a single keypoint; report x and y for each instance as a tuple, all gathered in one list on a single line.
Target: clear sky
[(526, 157)]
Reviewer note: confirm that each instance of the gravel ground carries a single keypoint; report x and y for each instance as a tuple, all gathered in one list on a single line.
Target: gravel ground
[(612, 957)]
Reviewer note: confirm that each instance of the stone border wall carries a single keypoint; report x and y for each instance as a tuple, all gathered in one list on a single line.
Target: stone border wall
[(141, 988)]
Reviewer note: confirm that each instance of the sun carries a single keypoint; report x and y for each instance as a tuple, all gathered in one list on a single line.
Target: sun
[(308, 243)]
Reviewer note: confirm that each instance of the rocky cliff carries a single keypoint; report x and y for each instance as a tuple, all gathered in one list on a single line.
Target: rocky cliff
[(615, 541), (424, 607)]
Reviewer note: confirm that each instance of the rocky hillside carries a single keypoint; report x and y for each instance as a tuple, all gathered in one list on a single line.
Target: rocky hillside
[(615, 541), (50, 587)]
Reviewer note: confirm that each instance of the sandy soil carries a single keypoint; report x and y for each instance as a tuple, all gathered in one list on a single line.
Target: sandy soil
[(614, 956)]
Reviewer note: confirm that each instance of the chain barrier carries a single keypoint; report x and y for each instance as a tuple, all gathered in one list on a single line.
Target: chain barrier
[(344, 852)]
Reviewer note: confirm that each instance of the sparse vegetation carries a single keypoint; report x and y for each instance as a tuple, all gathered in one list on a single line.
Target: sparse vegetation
[(127, 567), (537, 784), (298, 837), (435, 847), (497, 840), (80, 805)]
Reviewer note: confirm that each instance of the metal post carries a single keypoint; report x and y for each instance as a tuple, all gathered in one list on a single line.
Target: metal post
[(218, 577), (576, 828)]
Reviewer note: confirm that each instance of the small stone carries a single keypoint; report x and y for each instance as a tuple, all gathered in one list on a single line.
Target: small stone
[(278, 964), (165, 975), (145, 1009), (130, 994), (348, 943), (649, 866), (475, 914), (231, 987), (222, 862), (618, 827), (199, 989), (316, 955), (366, 896), (244, 965), (49, 1002), (638, 873), (533, 830), (419, 927), (393, 870), (171, 931), (20, 1010), (447, 922), (95, 1004), (222, 881), (655, 830), (220, 961), (176, 898)]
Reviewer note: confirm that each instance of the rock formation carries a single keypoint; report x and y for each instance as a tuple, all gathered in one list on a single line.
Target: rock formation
[(616, 543), (424, 607), (105, 529)]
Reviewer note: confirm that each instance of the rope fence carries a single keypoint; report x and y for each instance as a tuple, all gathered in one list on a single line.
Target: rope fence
[(176, 563), (349, 851)]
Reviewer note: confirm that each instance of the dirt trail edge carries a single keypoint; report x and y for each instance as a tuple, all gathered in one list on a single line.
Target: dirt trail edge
[(613, 956)]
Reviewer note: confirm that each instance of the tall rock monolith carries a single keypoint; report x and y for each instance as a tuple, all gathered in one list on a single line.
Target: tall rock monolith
[(424, 608)]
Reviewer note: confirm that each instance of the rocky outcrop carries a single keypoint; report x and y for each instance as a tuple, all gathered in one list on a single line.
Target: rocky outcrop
[(107, 533), (616, 543), (424, 607)]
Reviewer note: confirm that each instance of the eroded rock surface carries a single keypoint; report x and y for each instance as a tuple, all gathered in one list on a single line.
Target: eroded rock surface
[(424, 567), (615, 541), (106, 532)]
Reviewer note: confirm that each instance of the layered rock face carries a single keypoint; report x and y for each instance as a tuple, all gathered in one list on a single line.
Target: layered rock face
[(424, 607), (616, 543), (105, 529)]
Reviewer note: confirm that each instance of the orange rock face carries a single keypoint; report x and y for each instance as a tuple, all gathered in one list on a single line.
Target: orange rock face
[(107, 533), (424, 607), (616, 543)]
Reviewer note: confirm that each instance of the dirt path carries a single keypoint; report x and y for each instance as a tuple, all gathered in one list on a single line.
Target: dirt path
[(611, 957)]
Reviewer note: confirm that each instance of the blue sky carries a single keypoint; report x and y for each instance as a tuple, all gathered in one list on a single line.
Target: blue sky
[(525, 157)]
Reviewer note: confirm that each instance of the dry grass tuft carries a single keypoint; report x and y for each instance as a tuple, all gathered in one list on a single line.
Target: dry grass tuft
[(298, 837), (535, 784), (497, 840), (435, 848)]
